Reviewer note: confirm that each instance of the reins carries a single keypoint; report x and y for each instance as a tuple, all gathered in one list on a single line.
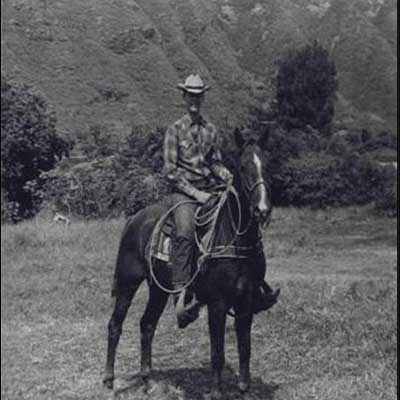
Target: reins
[(206, 252), (211, 216)]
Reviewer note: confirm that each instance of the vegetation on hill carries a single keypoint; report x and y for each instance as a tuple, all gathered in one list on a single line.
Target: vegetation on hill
[(29, 145), (118, 63), (115, 177), (307, 162)]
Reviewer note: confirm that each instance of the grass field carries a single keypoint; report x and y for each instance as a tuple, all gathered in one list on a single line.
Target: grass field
[(333, 335)]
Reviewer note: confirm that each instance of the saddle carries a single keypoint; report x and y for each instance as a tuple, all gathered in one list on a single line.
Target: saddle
[(161, 248), (160, 245)]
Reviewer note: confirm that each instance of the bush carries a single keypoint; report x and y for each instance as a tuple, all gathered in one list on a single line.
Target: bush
[(281, 148), (105, 186), (97, 142), (311, 179), (140, 190), (9, 209), (305, 167), (29, 142), (387, 201), (381, 147), (144, 147), (320, 179), (306, 88)]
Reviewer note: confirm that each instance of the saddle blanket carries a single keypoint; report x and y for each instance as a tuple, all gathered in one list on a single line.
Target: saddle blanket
[(163, 249)]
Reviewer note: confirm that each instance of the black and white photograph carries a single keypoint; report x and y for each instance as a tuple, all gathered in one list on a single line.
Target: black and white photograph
[(199, 199)]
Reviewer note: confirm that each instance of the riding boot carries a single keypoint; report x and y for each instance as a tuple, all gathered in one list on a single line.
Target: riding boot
[(186, 305), (265, 297)]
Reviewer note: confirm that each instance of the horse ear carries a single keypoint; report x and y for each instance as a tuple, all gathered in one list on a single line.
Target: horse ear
[(264, 135), (263, 139), (238, 138)]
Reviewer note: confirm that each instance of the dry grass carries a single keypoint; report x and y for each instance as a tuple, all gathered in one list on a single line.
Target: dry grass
[(333, 334)]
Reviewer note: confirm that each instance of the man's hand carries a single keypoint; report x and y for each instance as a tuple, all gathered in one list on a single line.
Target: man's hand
[(226, 176), (202, 197)]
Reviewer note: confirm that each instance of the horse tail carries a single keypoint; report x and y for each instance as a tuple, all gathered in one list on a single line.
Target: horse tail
[(125, 243), (114, 285)]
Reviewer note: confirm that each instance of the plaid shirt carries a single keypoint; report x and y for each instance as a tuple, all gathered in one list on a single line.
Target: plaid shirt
[(192, 159)]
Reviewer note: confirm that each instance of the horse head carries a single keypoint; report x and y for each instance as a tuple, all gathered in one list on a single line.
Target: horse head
[(251, 174)]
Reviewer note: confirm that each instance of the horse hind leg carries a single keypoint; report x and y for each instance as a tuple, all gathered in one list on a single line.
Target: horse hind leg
[(148, 324), (123, 300)]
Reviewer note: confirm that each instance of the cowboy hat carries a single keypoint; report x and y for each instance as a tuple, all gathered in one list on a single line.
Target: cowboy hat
[(193, 84)]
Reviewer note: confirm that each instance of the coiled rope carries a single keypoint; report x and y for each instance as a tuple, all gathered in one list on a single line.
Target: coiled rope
[(206, 252)]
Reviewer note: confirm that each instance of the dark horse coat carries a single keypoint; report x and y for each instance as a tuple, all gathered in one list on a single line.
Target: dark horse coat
[(225, 283)]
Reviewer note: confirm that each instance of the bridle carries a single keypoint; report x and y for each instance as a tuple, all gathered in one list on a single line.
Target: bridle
[(249, 190), (254, 185)]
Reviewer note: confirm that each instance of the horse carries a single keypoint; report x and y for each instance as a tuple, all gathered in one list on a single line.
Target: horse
[(225, 283)]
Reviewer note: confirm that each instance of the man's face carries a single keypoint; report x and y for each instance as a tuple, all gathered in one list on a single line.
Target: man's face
[(193, 103)]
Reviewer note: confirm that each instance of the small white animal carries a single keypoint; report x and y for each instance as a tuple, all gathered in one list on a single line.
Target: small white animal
[(61, 218)]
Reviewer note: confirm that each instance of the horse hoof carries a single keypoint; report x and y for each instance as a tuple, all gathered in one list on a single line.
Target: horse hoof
[(108, 381), (244, 386), (145, 373), (216, 394)]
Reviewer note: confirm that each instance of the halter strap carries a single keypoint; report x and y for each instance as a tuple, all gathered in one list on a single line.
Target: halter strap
[(250, 191), (254, 185)]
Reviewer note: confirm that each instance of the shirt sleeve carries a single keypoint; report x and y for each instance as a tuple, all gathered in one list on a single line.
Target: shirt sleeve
[(173, 173)]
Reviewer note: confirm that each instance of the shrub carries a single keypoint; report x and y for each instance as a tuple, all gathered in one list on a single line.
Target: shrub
[(306, 88), (29, 142), (387, 200), (89, 189), (320, 179), (140, 190), (145, 147), (382, 146), (311, 179), (96, 142), (9, 209), (307, 168), (104, 186)]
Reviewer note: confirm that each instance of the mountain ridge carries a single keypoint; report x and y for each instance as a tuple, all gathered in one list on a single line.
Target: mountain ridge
[(117, 63)]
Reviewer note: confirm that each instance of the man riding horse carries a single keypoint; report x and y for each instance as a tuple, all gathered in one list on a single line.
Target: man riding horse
[(194, 167)]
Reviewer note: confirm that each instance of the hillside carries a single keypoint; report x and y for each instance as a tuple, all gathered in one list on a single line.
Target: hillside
[(118, 62)]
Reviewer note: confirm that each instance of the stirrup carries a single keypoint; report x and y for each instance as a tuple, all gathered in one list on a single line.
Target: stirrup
[(265, 301)]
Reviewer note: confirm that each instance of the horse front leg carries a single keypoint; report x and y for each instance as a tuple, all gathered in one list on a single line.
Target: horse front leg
[(216, 322), (243, 333), (148, 324), (243, 321)]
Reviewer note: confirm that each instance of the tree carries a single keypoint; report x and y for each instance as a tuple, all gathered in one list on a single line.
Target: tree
[(29, 142), (306, 88)]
